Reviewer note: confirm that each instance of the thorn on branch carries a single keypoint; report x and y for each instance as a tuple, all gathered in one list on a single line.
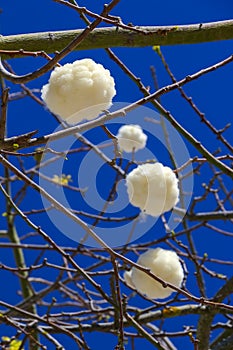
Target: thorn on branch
[(17, 142)]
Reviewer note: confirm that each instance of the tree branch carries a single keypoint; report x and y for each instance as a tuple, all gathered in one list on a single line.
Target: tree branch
[(59, 55), (117, 37), (142, 319), (205, 320), (207, 216)]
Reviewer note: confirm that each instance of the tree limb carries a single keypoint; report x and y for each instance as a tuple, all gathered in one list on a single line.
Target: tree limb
[(205, 320), (207, 216), (117, 37)]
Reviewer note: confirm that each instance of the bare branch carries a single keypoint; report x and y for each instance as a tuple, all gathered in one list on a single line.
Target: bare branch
[(51, 42)]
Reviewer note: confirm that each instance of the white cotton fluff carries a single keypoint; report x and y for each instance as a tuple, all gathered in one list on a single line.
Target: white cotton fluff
[(162, 263), (153, 188), (131, 137), (79, 90)]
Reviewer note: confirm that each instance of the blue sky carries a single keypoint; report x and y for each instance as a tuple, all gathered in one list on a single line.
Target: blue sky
[(212, 93)]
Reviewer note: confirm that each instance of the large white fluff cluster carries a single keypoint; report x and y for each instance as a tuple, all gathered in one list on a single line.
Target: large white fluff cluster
[(164, 264), (153, 188), (131, 137), (79, 90)]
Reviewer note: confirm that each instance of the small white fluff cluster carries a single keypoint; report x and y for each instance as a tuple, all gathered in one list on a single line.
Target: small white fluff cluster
[(153, 188), (162, 263), (79, 90), (131, 137)]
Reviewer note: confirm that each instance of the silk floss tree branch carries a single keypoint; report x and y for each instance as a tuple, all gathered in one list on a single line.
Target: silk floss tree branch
[(51, 42), (79, 37)]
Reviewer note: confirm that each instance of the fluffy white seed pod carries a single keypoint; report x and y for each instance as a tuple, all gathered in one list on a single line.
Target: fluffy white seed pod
[(153, 188), (79, 90), (164, 264), (131, 137)]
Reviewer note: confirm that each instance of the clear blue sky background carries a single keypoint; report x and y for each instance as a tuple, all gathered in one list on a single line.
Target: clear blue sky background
[(212, 93)]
